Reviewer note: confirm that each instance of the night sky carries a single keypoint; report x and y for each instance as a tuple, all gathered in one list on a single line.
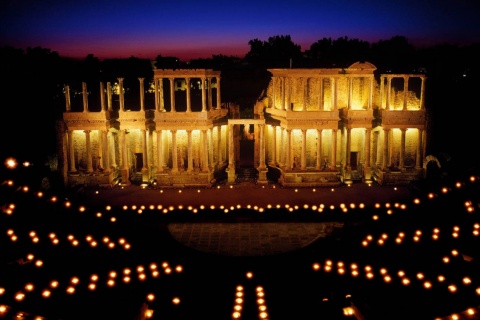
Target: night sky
[(199, 29)]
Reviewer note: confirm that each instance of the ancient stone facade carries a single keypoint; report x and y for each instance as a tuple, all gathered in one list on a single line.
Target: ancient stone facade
[(311, 127)]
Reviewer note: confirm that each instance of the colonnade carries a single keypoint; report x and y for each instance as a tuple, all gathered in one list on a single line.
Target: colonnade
[(206, 90), (106, 104), (107, 145), (386, 90), (387, 149)]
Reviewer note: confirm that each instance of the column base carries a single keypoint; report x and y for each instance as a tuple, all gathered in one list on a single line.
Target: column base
[(231, 177), (262, 175), (145, 175), (125, 177)]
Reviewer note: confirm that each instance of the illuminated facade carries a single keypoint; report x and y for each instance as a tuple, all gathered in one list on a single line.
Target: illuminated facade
[(310, 127)]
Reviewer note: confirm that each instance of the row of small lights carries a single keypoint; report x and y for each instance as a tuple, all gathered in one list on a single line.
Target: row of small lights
[(93, 280), (387, 278), (239, 299), (418, 235), (73, 241), (291, 208)]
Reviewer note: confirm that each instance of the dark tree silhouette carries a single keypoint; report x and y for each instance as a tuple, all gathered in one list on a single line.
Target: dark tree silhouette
[(277, 52)]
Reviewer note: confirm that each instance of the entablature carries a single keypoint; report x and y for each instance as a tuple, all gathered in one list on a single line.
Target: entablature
[(403, 117)]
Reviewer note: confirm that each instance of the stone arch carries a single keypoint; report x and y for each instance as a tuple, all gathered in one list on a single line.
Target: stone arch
[(432, 167)]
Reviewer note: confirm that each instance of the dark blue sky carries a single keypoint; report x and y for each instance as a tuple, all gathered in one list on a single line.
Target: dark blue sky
[(198, 29)]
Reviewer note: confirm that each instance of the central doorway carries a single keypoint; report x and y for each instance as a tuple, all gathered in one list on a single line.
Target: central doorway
[(246, 153)]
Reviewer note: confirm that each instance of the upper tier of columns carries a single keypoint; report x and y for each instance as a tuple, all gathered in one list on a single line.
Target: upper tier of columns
[(159, 96), (388, 89)]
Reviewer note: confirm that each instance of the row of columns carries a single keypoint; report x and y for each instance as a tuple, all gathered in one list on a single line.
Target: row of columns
[(286, 160), (159, 97), (286, 91), (388, 90), (107, 153), (206, 83), (107, 149), (387, 149)]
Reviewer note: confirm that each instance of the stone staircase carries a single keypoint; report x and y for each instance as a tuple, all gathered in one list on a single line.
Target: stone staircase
[(246, 175)]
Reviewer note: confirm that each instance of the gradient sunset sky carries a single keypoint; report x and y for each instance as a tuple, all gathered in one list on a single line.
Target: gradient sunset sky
[(199, 29)]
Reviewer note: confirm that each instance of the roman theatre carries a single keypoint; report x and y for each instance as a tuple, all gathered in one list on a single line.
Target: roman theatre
[(309, 127)]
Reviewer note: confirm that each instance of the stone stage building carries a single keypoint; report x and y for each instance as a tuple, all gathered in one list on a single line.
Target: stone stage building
[(309, 127)]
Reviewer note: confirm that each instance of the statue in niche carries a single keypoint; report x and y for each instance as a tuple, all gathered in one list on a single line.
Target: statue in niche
[(182, 163), (247, 135)]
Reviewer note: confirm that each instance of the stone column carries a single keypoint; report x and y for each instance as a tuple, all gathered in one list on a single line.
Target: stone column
[(71, 151), (350, 92), (231, 160), (111, 148), (68, 103), (155, 83), (204, 96), (389, 92), (109, 96), (370, 94), (318, 164), (89, 151), (320, 95), (219, 144), (102, 97), (274, 92), (189, 102), (288, 161), (385, 161), (288, 92), (422, 93), (160, 150), (405, 92), (348, 156), (205, 151), (348, 159), (210, 150), (219, 96), (304, 100), (85, 97), (261, 131), (100, 150), (382, 91), (123, 155), (303, 163), (121, 94), (402, 148), (145, 174), (231, 155), (142, 94), (172, 94), (189, 151), (368, 133), (367, 172), (334, 149), (161, 96), (274, 145), (334, 93), (262, 168), (418, 158), (174, 152), (209, 88), (379, 150), (283, 107), (106, 157)]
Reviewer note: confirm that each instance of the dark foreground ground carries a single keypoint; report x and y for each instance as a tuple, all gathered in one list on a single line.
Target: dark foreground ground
[(312, 252)]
